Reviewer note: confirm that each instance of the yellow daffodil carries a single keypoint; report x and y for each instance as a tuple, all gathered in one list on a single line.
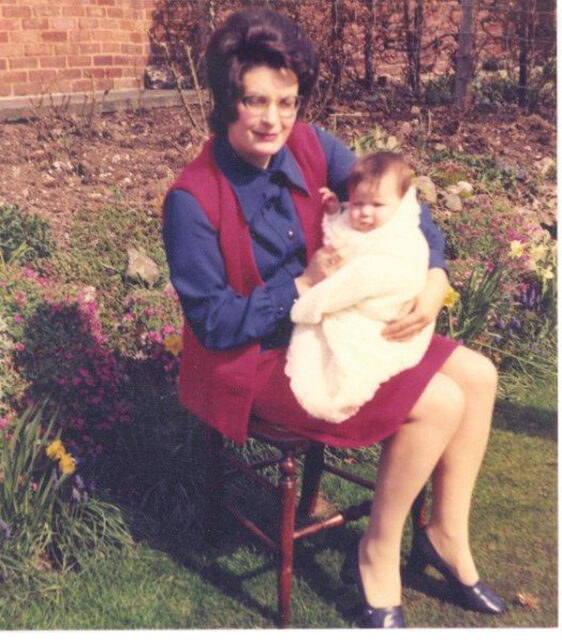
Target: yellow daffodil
[(56, 450), (451, 298), (538, 252), (173, 343), (516, 249), (67, 464), (546, 274)]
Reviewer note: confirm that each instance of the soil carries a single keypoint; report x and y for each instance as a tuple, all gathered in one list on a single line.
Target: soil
[(57, 163)]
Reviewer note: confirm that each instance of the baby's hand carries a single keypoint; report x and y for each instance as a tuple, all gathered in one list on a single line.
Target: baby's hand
[(330, 200)]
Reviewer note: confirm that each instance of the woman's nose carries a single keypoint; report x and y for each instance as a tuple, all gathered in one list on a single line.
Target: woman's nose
[(271, 114)]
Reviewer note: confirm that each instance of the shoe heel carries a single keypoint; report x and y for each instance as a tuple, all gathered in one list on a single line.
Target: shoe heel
[(416, 564)]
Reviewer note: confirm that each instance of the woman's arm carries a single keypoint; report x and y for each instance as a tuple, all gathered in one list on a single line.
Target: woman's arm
[(219, 317), (423, 309)]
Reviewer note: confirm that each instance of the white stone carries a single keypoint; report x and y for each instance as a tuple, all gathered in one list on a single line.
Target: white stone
[(426, 189), (453, 202), (141, 266)]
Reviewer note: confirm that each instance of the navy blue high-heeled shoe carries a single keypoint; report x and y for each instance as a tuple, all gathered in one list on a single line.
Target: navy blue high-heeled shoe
[(476, 597), (370, 617)]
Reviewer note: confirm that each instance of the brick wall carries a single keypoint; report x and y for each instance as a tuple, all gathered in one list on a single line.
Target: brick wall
[(63, 46)]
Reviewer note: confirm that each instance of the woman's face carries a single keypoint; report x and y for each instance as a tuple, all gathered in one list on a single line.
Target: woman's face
[(265, 114)]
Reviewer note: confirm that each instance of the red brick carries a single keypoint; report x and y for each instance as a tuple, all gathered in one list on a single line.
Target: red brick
[(70, 74), (63, 23), (14, 76), (132, 49), (108, 36), (5, 89), (89, 47), (98, 12), (82, 35), (49, 75), (107, 3), (135, 37), (86, 85), (3, 65), (53, 62), (24, 36), (35, 23), (79, 61), (38, 48), (47, 11), (67, 49), (9, 50), (9, 24), (23, 63), (3, 36), (27, 89), (111, 47), (73, 12), (54, 36), (89, 23), (100, 61), (114, 72), (114, 12), (16, 12), (126, 83), (95, 73)]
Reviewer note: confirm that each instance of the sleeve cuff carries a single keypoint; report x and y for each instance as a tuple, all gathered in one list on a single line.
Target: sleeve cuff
[(437, 261), (283, 297)]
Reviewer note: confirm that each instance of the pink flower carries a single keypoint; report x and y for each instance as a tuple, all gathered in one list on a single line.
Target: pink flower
[(20, 297), (4, 422), (19, 347), (18, 318)]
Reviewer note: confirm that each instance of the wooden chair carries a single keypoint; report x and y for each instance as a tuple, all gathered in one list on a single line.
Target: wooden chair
[(290, 446)]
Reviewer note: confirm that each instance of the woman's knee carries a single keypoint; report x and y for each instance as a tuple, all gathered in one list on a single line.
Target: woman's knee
[(476, 374), (442, 403)]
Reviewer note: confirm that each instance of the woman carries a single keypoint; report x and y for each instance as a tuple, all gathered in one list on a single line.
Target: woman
[(242, 234)]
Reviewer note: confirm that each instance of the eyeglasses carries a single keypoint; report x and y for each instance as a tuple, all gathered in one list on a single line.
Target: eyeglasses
[(258, 105)]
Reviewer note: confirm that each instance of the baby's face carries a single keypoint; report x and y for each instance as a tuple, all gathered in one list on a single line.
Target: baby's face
[(371, 206)]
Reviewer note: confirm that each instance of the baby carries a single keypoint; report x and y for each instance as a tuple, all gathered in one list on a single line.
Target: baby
[(337, 358)]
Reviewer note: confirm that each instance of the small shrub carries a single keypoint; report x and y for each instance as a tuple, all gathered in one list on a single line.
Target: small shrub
[(23, 238), (439, 91), (376, 140), (48, 518)]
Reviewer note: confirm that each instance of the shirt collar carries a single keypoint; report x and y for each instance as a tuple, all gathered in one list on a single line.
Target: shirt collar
[(241, 173)]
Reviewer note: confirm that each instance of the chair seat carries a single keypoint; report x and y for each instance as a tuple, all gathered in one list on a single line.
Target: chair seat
[(275, 435)]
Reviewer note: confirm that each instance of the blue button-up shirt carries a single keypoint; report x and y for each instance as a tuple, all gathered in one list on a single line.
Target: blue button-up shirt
[(220, 317)]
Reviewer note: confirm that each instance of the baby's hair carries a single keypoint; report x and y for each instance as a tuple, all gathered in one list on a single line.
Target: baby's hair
[(372, 167)]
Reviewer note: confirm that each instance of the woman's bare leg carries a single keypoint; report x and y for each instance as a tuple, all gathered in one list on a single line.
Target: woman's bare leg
[(408, 459), (455, 474)]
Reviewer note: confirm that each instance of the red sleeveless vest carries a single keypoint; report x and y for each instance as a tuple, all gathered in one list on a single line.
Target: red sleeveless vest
[(218, 385)]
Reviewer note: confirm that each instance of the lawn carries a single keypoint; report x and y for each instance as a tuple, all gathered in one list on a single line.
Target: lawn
[(173, 580)]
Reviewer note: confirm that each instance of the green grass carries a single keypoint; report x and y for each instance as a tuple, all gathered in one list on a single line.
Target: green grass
[(178, 582)]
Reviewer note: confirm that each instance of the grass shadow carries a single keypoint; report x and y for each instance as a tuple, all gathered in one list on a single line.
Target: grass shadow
[(526, 419)]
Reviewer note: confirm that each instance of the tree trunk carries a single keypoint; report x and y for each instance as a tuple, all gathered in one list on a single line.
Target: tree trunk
[(370, 44), (413, 44), (464, 55), (522, 31)]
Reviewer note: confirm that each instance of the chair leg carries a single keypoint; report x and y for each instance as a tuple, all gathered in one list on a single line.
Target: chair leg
[(419, 513), (313, 462), (213, 484), (287, 487)]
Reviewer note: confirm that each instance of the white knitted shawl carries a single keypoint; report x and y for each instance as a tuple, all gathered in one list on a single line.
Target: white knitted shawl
[(337, 358)]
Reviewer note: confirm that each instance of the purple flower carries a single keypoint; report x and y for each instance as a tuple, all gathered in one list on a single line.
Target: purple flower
[(5, 531)]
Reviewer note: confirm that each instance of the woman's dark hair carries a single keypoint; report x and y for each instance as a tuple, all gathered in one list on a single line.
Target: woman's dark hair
[(253, 38), (372, 167)]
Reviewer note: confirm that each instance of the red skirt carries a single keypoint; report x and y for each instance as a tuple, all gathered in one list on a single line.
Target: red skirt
[(375, 421)]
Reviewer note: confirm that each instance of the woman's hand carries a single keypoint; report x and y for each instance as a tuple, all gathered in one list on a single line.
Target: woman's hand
[(322, 264), (419, 312)]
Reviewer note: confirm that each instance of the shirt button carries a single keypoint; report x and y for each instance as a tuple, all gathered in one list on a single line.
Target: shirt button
[(281, 309), (290, 234)]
